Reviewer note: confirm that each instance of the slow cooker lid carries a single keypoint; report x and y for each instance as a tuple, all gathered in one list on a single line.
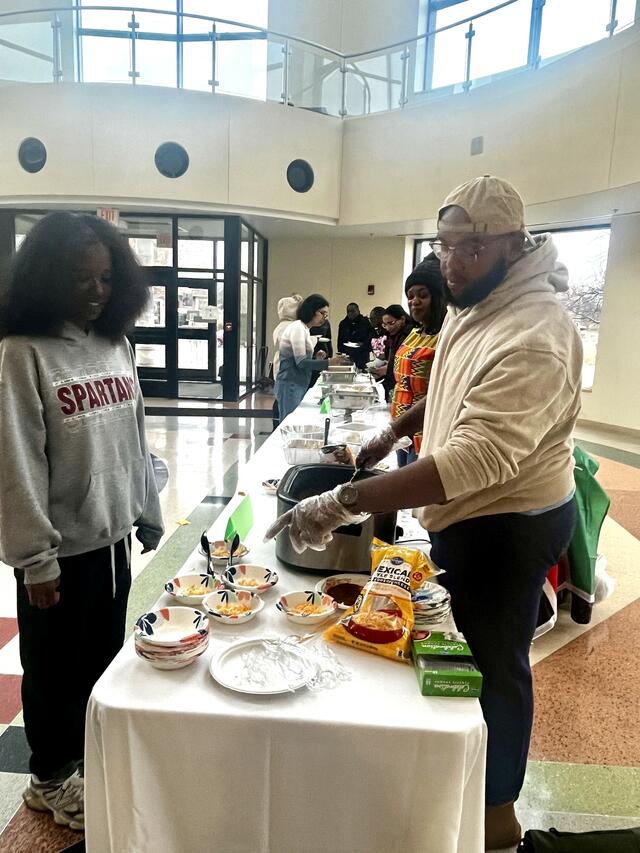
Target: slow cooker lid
[(302, 481)]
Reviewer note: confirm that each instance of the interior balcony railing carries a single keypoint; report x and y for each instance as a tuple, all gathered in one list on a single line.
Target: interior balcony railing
[(150, 46)]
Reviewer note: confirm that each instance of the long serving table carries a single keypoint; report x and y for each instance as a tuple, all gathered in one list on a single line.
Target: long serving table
[(175, 763)]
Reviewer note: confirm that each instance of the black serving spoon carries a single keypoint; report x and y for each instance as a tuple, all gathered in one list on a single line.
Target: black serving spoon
[(204, 544), (233, 547)]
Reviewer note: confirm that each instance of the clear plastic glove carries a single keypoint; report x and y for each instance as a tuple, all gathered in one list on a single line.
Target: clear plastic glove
[(375, 449), (313, 520)]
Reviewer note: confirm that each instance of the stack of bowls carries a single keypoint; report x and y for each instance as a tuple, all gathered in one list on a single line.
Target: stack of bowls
[(172, 637), (431, 604)]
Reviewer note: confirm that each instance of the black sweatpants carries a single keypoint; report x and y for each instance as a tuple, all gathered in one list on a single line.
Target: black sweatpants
[(64, 649), (495, 568)]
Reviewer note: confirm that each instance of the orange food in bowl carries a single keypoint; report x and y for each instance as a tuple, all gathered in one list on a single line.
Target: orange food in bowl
[(244, 581)]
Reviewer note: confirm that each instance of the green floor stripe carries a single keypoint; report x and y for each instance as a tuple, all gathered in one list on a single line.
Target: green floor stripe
[(149, 584), (625, 457), (582, 788)]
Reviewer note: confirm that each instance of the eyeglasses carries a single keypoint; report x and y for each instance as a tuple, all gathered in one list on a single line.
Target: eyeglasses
[(324, 314), (467, 253)]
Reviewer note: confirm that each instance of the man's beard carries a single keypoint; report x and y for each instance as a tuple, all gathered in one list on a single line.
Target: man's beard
[(481, 288)]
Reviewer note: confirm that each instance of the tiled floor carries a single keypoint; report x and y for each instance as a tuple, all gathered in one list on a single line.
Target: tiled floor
[(585, 750)]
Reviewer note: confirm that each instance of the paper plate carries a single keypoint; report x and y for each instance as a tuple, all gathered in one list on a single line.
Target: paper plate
[(227, 669)]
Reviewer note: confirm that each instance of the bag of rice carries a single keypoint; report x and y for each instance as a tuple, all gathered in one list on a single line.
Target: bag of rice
[(381, 619)]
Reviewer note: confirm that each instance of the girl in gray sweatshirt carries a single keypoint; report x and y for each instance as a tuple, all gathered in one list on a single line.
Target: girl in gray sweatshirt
[(75, 478)]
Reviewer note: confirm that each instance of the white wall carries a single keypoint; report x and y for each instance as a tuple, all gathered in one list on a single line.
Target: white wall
[(340, 269), (615, 397), (368, 24), (346, 25), (569, 129), (101, 140)]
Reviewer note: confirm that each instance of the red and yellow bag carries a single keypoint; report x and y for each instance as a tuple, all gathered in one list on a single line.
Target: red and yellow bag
[(381, 619)]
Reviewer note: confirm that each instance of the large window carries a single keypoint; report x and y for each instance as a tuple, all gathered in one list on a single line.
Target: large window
[(491, 52), (568, 24), (522, 33), (584, 252)]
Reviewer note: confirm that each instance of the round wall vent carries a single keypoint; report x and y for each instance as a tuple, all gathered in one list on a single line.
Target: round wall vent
[(171, 160), (300, 176), (32, 154)]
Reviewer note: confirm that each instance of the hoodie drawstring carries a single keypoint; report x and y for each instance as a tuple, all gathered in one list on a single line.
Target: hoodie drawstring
[(112, 551)]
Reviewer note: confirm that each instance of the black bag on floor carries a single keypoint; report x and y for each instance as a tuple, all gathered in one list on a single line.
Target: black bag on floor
[(605, 841)]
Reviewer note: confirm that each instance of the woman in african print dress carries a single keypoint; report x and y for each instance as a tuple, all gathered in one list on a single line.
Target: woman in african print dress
[(413, 359)]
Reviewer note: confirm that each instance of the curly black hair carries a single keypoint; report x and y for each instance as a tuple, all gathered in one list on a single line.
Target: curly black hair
[(35, 296)]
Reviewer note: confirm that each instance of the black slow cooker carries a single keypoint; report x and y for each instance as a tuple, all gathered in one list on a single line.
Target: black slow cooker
[(349, 551)]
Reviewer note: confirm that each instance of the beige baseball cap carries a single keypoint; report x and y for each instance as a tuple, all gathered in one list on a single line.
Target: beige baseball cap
[(493, 205)]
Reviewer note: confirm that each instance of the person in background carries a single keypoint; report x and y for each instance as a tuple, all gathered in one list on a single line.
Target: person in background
[(379, 335), (414, 357), (76, 477), (398, 325), (494, 484), (296, 354), (287, 313), (355, 329), (321, 335)]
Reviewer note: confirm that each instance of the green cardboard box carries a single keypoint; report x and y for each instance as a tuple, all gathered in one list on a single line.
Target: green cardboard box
[(445, 666)]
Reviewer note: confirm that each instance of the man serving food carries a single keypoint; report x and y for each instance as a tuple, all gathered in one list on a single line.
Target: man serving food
[(494, 481)]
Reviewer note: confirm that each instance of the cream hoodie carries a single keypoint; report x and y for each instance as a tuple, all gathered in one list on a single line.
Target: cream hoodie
[(504, 397), (287, 313)]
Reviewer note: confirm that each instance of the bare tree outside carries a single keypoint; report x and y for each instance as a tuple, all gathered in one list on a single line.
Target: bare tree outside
[(584, 251), (585, 254)]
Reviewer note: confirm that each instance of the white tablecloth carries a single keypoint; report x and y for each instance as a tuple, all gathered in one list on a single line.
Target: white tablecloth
[(177, 764)]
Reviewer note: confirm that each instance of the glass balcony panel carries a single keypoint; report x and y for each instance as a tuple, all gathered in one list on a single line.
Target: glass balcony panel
[(314, 79), (275, 59), (156, 63), (374, 84), (449, 56), (26, 52), (241, 65), (196, 65), (105, 60)]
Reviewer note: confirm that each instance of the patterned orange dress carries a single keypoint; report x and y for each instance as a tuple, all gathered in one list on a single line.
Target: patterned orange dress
[(412, 369)]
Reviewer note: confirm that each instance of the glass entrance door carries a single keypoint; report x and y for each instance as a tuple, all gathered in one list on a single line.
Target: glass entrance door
[(200, 306), (197, 331), (154, 339)]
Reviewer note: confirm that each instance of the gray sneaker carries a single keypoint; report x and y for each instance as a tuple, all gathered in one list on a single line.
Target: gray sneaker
[(63, 797)]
